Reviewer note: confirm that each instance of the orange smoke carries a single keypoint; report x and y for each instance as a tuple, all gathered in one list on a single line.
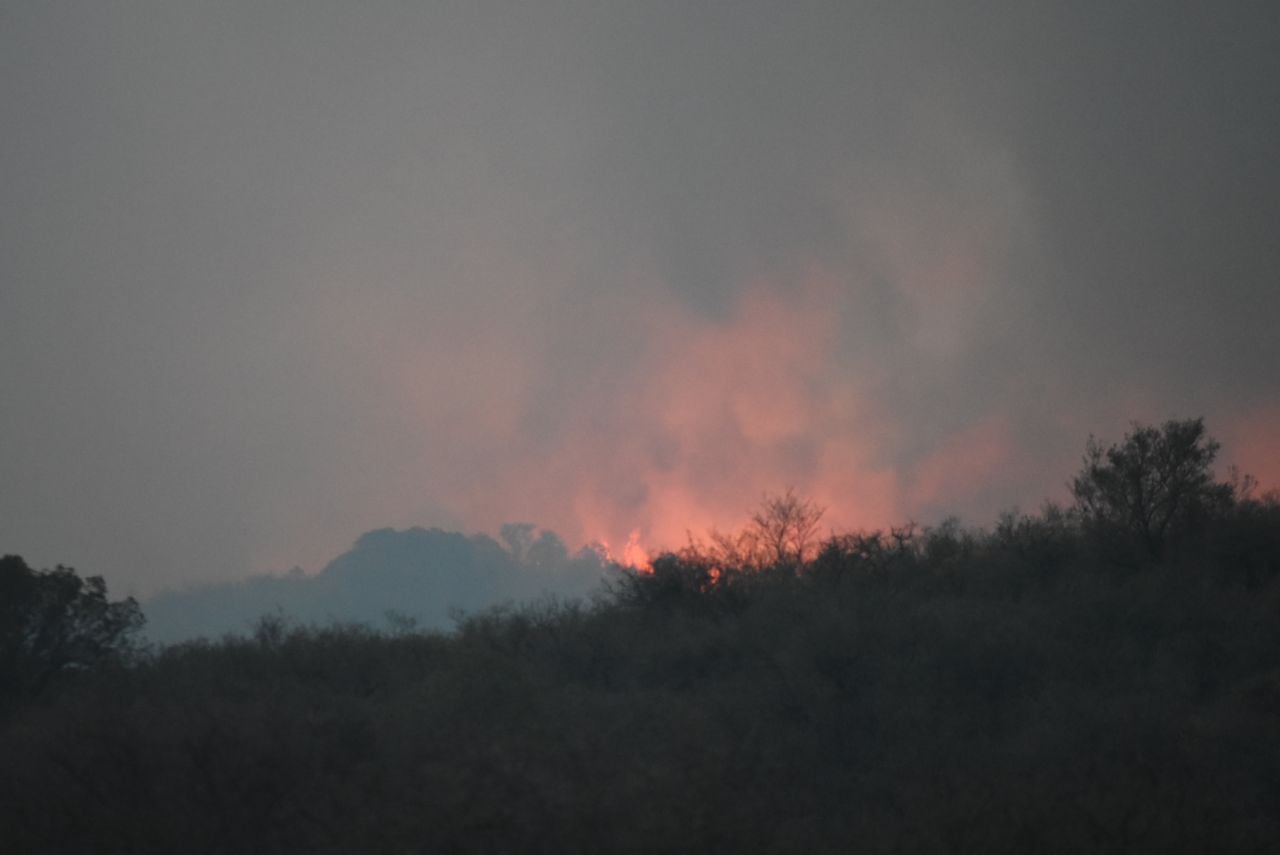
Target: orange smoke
[(973, 457), (1251, 442), (682, 427), (702, 418), (683, 430), (716, 413)]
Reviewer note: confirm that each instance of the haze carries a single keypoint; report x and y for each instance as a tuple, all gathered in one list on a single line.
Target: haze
[(272, 276)]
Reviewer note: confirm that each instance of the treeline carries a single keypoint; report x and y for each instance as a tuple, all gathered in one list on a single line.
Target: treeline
[(1103, 677)]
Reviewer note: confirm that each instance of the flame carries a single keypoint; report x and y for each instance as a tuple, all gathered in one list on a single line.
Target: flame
[(634, 555)]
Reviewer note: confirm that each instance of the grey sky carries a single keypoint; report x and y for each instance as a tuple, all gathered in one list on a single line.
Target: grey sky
[(271, 276)]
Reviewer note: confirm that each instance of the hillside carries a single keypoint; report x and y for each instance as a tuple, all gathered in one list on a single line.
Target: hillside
[(421, 576), (1060, 683)]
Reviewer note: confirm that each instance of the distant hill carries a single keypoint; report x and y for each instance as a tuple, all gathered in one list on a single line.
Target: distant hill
[(418, 574)]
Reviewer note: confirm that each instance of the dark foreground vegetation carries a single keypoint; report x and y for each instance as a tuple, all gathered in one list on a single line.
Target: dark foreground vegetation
[(1103, 678)]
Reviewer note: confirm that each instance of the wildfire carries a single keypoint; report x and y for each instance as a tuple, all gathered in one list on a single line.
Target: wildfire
[(633, 554)]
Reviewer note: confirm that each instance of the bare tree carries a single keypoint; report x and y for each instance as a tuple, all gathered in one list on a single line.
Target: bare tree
[(786, 528)]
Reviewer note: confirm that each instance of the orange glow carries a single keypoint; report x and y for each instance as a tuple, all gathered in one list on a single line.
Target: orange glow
[(719, 413), (541, 382), (705, 416), (678, 421)]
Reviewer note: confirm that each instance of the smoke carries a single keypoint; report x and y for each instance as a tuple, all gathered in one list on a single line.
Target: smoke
[(629, 414), (274, 279)]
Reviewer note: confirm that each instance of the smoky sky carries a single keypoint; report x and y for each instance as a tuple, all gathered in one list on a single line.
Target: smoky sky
[(275, 275)]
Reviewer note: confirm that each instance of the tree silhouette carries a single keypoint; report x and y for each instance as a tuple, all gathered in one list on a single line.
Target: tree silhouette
[(1152, 486), (54, 621), (782, 534), (785, 528)]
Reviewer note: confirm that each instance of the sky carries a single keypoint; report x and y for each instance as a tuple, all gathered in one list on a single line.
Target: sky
[(274, 275)]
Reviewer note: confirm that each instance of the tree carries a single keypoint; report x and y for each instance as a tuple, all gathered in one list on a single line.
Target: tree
[(54, 621), (787, 528), (783, 533), (1152, 487)]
